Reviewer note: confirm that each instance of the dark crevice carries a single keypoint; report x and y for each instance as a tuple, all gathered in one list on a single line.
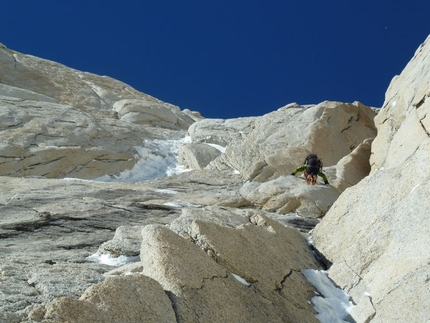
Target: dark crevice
[(77, 246), (14, 62), (421, 102), (424, 128), (120, 208), (285, 279), (172, 298), (322, 260), (153, 207), (345, 129)]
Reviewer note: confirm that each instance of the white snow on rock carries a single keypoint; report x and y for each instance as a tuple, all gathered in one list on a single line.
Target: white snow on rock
[(107, 259), (240, 279), (157, 158), (334, 305), (220, 148)]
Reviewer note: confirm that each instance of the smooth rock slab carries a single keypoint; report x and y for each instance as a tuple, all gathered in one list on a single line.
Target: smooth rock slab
[(197, 156)]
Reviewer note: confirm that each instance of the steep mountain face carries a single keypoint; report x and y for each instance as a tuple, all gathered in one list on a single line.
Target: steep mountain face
[(59, 122), (227, 238), (378, 232)]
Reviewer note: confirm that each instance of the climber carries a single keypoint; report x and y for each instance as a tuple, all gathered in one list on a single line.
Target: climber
[(312, 168)]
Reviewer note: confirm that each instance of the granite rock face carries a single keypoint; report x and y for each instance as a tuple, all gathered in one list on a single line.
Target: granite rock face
[(200, 284), (143, 298), (51, 228), (352, 168), (279, 141), (221, 132), (288, 194), (226, 239), (402, 123), (197, 156), (378, 232), (59, 122)]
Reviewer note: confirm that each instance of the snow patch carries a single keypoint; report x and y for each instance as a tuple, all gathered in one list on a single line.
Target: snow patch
[(240, 279), (166, 191), (107, 259), (220, 148), (180, 204), (334, 305), (157, 158), (417, 185)]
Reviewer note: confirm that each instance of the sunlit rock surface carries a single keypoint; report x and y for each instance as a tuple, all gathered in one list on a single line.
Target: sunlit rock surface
[(59, 122), (378, 232), (187, 218)]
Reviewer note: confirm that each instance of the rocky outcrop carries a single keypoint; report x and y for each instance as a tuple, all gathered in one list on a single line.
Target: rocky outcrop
[(377, 232), (143, 298), (269, 147), (245, 283), (221, 132), (286, 194), (402, 124), (279, 141), (200, 285), (51, 227), (197, 156), (59, 122), (352, 168)]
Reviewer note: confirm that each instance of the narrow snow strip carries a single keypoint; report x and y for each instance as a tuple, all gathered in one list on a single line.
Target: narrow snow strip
[(417, 185), (240, 279), (334, 304), (220, 148), (110, 261), (180, 204), (166, 191)]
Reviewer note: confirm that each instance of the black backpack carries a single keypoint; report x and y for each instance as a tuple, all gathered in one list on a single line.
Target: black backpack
[(313, 161)]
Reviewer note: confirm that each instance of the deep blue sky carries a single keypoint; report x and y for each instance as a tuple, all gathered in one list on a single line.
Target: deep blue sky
[(227, 58)]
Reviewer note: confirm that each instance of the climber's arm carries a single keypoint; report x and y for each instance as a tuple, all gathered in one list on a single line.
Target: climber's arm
[(322, 175), (299, 169)]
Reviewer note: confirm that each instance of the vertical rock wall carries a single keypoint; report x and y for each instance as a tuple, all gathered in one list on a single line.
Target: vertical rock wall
[(378, 232)]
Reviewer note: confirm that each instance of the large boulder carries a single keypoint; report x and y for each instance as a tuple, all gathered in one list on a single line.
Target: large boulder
[(377, 233), (288, 194), (197, 155), (206, 284), (132, 299), (352, 168), (126, 242), (224, 273)]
